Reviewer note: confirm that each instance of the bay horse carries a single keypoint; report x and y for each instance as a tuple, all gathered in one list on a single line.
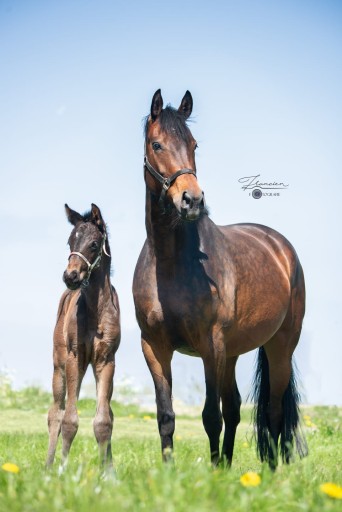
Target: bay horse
[(215, 292), (87, 332)]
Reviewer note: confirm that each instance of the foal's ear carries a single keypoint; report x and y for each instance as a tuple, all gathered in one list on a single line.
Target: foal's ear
[(186, 105), (96, 218), (156, 105), (73, 217)]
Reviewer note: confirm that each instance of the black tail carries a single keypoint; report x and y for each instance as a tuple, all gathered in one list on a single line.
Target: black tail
[(290, 428)]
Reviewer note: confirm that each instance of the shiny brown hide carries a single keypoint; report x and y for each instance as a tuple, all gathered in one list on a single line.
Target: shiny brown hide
[(87, 332), (215, 292)]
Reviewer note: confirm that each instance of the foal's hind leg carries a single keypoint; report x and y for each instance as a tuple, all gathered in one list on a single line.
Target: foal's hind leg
[(231, 402), (74, 374), (56, 412), (103, 421)]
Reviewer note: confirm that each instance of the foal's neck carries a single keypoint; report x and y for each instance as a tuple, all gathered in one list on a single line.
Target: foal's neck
[(99, 291)]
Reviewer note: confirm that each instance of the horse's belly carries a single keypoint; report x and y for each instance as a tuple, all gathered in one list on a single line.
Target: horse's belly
[(187, 351)]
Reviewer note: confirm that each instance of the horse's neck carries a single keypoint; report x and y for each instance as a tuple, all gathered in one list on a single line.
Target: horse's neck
[(99, 291), (176, 243)]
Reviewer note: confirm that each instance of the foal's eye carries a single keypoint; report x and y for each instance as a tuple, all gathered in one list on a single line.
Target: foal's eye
[(196, 145), (156, 146), (94, 245)]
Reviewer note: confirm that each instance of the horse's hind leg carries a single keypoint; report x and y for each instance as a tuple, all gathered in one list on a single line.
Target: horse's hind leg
[(56, 412), (231, 402), (283, 412), (103, 421), (74, 374)]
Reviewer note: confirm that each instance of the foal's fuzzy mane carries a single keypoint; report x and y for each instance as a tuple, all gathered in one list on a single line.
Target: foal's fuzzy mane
[(172, 121)]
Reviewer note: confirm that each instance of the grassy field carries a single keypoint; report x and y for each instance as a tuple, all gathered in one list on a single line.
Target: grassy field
[(142, 482)]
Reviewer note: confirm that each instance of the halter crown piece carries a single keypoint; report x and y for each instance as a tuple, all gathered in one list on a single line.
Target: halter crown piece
[(165, 182), (95, 264)]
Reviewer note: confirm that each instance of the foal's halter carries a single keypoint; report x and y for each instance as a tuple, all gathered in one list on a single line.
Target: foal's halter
[(165, 182), (95, 264)]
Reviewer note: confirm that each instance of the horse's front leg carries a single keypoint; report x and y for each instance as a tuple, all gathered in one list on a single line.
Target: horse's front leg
[(103, 421), (211, 415), (158, 360)]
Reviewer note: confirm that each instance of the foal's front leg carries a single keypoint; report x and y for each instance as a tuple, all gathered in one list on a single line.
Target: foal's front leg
[(56, 412), (75, 371), (158, 360)]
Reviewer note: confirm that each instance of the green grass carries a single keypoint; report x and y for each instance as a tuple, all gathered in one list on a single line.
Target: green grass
[(142, 482)]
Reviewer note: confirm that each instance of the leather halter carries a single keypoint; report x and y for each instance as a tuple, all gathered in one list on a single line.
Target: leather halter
[(95, 264), (165, 182)]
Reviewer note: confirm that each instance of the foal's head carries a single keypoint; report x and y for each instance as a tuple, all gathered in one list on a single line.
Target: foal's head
[(170, 169), (88, 245)]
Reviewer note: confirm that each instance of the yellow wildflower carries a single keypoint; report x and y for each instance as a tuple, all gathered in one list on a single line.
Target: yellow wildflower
[(178, 437), (250, 479), (307, 417), (147, 418), (10, 467), (332, 490), (245, 444)]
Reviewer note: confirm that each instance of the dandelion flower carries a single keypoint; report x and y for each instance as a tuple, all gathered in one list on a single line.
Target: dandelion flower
[(147, 418), (332, 490), (307, 417), (10, 467), (250, 479)]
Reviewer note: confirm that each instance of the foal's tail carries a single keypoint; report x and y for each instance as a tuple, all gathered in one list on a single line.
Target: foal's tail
[(290, 426)]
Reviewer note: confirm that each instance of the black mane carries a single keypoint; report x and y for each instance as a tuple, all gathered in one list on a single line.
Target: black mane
[(171, 120)]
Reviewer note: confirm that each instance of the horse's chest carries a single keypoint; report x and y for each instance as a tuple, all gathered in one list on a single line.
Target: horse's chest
[(181, 304)]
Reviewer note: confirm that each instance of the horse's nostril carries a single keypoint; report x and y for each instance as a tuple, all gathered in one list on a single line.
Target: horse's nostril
[(186, 199)]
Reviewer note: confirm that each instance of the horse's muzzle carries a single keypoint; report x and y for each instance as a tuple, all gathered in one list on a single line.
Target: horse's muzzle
[(191, 207)]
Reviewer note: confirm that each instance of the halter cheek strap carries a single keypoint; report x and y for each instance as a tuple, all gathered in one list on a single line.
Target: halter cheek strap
[(165, 182), (95, 264)]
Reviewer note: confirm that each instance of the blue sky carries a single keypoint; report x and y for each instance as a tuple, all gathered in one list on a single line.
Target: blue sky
[(77, 77)]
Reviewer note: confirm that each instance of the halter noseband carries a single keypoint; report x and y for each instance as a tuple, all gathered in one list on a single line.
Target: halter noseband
[(95, 264), (165, 182)]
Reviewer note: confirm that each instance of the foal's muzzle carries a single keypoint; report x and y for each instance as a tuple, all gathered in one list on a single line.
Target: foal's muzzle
[(72, 279)]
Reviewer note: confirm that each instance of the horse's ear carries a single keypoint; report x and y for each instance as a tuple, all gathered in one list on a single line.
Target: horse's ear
[(156, 105), (96, 218), (186, 105), (73, 217)]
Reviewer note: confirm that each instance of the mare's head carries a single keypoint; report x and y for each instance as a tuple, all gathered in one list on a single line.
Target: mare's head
[(170, 169), (88, 245)]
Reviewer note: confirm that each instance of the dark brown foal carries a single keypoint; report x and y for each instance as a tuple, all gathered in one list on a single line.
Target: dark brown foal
[(214, 292), (87, 332)]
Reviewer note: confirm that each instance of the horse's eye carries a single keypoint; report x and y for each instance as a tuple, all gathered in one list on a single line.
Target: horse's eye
[(156, 146), (94, 245), (196, 145)]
